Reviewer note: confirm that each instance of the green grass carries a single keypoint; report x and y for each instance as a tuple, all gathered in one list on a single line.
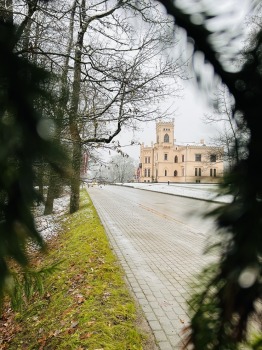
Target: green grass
[(86, 304)]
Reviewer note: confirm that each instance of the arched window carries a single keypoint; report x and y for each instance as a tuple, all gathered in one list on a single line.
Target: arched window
[(175, 173), (166, 138), (165, 172), (176, 159)]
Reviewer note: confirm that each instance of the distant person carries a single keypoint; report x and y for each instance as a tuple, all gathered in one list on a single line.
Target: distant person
[(168, 182)]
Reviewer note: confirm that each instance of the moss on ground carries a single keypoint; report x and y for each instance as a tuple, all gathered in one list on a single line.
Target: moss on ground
[(86, 304)]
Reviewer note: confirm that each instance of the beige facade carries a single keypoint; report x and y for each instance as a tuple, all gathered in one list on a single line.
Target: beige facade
[(166, 161)]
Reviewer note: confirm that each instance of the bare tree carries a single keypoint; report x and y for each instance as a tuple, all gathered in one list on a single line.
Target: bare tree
[(232, 132), (118, 79), (113, 69), (120, 169)]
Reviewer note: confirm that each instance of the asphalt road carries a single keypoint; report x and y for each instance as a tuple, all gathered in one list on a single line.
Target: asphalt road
[(159, 240)]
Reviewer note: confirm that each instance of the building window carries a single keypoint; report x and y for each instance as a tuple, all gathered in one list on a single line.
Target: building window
[(148, 159), (166, 138), (175, 173), (197, 171), (148, 172), (165, 156), (198, 157), (145, 159), (145, 172), (183, 158), (213, 158), (176, 159), (213, 172), (165, 172)]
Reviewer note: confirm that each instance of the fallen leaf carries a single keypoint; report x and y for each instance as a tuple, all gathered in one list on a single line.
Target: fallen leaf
[(57, 332), (80, 298), (86, 335), (74, 324)]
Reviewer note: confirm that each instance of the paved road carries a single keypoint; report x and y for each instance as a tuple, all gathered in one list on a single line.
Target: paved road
[(159, 240)]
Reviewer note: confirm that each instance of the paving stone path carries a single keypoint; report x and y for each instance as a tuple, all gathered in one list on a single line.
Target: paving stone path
[(159, 254)]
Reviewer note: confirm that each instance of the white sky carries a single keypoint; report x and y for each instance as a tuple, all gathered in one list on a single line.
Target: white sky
[(189, 126), (190, 110)]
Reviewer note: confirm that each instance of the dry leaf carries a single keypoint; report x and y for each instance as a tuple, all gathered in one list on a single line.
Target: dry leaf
[(74, 324), (86, 335)]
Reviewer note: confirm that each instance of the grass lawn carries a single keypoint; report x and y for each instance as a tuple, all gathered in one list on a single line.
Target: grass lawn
[(86, 303)]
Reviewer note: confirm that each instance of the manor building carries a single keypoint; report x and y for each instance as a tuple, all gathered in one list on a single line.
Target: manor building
[(166, 161)]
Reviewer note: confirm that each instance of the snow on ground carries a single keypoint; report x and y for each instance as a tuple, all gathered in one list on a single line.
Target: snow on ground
[(49, 225), (199, 191)]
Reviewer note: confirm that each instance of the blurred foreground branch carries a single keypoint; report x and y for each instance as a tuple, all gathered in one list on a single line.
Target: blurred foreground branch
[(21, 144), (223, 311)]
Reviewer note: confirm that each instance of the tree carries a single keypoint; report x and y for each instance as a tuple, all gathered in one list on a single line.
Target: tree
[(233, 135), (121, 169), (54, 185), (115, 79), (111, 75), (227, 301)]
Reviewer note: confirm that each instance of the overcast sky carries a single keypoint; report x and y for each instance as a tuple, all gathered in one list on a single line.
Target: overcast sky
[(189, 126), (190, 110)]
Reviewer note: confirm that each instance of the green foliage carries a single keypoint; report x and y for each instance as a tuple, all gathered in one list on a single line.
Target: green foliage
[(210, 328), (22, 285), (21, 144), (256, 343)]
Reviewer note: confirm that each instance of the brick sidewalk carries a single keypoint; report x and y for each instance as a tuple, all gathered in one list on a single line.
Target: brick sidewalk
[(159, 257)]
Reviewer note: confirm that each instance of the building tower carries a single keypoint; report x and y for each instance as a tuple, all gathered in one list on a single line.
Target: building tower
[(165, 133)]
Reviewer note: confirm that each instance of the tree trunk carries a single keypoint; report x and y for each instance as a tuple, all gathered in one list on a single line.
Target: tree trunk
[(40, 184), (54, 186), (54, 189), (75, 181), (49, 203), (73, 116)]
